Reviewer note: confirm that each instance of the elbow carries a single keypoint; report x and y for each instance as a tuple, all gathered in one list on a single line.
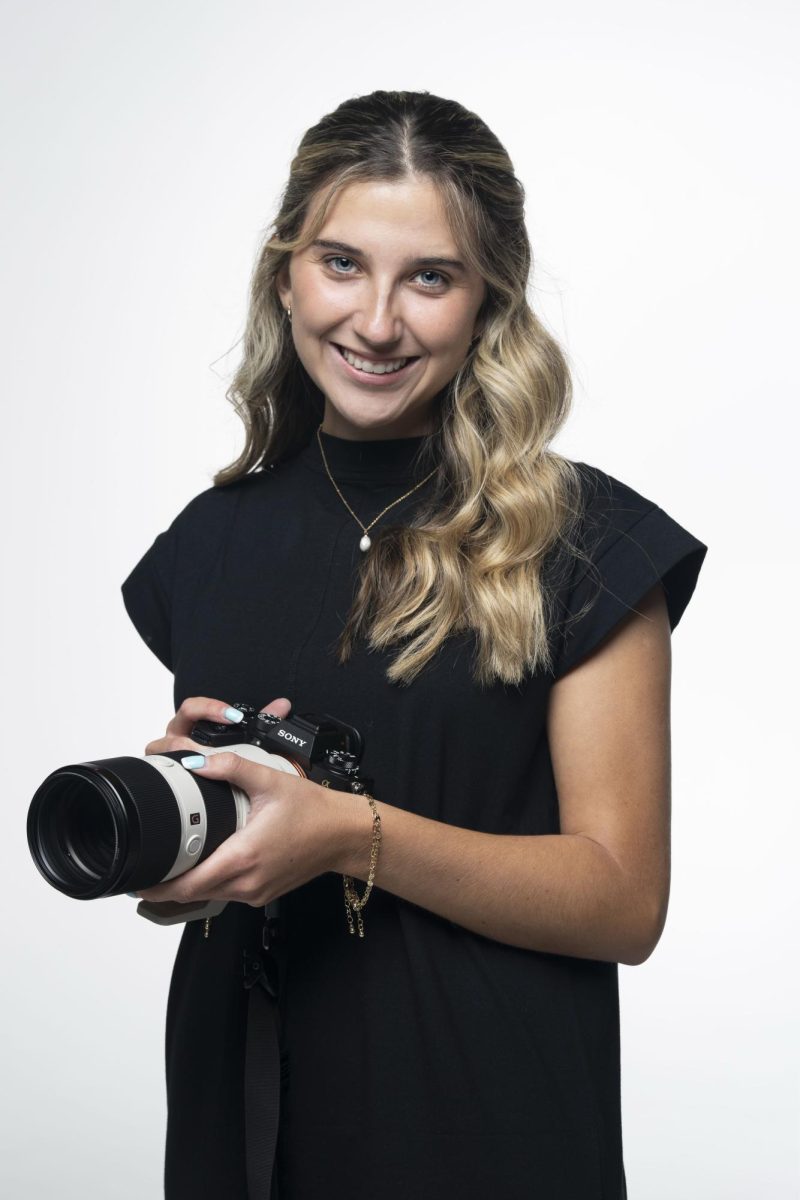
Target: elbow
[(647, 937), (635, 957)]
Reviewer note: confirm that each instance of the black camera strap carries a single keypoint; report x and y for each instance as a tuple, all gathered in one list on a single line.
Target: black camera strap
[(263, 1069)]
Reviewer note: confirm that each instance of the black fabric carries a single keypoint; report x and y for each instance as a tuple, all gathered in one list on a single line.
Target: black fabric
[(632, 544), (424, 1060)]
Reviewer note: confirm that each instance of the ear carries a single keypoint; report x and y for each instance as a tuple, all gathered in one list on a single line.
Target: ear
[(284, 285)]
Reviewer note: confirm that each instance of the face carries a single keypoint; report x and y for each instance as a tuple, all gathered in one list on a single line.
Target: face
[(383, 308)]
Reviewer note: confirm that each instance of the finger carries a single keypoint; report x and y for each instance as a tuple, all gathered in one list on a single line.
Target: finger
[(201, 708), (220, 877), (256, 779), (279, 708), (162, 745)]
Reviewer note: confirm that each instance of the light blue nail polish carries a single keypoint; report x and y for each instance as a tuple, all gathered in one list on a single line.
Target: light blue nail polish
[(234, 714), (193, 761), (133, 894)]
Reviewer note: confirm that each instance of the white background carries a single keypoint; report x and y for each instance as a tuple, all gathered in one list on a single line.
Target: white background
[(145, 146)]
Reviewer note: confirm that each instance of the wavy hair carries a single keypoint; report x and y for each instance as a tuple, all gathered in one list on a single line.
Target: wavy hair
[(475, 557)]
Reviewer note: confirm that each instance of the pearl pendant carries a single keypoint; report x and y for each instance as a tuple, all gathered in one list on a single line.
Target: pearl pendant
[(365, 542)]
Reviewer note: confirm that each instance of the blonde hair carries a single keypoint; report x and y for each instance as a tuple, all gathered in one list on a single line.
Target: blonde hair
[(473, 556)]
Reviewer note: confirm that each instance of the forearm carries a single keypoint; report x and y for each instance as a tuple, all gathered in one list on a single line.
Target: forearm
[(557, 893)]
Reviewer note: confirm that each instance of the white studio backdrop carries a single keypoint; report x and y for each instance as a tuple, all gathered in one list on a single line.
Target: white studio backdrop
[(145, 146)]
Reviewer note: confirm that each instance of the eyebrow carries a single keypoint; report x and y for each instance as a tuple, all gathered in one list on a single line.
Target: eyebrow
[(428, 261)]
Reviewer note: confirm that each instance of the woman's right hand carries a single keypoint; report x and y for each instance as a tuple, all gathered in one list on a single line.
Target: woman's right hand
[(203, 708)]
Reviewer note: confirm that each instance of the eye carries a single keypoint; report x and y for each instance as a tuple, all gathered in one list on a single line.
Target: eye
[(431, 280), (338, 258), (439, 281)]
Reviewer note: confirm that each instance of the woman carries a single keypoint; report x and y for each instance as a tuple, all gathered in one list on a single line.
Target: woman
[(397, 546)]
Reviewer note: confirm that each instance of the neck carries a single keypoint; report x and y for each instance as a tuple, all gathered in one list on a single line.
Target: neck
[(408, 424), (370, 461)]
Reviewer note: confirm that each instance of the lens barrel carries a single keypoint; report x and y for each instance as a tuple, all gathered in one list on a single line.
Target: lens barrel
[(117, 825)]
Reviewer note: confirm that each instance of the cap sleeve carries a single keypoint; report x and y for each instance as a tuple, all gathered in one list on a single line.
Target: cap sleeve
[(161, 592), (631, 544), (147, 595)]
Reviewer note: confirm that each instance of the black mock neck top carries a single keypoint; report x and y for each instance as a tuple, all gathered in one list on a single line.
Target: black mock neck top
[(424, 1060), (375, 461)]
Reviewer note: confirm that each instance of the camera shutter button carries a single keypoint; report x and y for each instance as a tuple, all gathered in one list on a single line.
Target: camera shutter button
[(194, 844)]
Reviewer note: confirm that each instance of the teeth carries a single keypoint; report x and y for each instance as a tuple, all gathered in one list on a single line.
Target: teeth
[(372, 368)]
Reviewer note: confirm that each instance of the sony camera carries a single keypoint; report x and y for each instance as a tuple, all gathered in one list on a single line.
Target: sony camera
[(124, 824)]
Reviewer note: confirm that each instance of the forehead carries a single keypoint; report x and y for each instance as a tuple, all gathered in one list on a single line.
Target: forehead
[(389, 214)]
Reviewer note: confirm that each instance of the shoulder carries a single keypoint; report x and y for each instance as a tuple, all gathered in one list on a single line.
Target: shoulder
[(218, 501), (610, 506), (206, 518), (625, 543), (166, 578), (611, 510)]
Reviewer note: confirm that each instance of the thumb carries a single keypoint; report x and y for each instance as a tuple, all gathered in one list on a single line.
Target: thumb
[(278, 708), (252, 777)]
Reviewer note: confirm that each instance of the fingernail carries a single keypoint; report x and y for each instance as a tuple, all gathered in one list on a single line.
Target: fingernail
[(193, 761), (133, 895), (234, 714)]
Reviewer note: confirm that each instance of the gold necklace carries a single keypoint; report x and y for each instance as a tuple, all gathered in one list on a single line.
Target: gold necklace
[(366, 541)]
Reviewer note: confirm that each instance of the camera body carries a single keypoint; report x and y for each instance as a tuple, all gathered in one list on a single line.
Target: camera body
[(321, 747), (116, 825)]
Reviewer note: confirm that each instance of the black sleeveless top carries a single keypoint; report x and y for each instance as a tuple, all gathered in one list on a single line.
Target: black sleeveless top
[(425, 1060)]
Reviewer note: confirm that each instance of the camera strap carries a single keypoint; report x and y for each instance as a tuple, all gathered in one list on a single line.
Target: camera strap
[(264, 1068)]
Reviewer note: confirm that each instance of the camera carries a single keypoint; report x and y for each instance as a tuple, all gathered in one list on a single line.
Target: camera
[(117, 825)]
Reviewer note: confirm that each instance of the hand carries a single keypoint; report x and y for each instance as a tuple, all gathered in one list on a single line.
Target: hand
[(295, 831), (201, 708)]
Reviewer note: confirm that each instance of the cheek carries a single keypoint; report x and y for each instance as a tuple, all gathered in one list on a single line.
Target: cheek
[(322, 303), (448, 336), (447, 322)]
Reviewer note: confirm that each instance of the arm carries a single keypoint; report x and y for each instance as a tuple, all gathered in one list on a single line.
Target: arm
[(599, 889)]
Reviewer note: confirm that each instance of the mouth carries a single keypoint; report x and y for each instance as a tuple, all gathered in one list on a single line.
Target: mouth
[(385, 371)]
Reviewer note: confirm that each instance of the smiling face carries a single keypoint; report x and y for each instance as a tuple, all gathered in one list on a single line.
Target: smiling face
[(384, 308)]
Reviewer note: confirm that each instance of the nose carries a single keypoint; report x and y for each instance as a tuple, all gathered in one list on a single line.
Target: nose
[(378, 321)]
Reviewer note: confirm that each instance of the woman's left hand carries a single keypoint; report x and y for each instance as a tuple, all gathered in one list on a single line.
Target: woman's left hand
[(293, 833)]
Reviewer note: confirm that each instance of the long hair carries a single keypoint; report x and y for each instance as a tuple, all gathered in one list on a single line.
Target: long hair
[(473, 557)]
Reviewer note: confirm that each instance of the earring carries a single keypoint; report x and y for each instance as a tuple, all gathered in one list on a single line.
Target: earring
[(289, 313)]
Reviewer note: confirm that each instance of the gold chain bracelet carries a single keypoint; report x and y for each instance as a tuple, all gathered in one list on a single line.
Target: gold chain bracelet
[(351, 899)]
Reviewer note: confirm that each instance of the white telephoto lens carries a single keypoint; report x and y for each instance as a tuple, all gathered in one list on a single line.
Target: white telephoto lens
[(192, 807)]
